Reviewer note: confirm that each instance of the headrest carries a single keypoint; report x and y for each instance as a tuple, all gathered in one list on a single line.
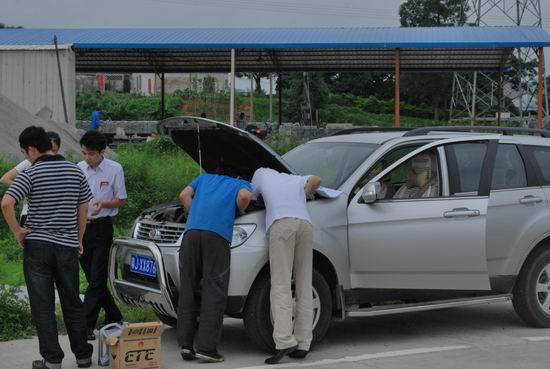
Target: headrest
[(421, 171)]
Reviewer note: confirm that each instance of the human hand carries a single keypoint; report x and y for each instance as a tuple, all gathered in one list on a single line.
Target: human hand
[(80, 249), (97, 208), (20, 235)]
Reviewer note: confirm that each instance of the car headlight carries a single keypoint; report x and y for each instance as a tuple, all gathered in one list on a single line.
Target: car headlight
[(134, 226), (241, 233)]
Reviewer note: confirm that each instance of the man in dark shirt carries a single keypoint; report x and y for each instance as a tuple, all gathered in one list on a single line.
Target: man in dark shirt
[(212, 201), (58, 196)]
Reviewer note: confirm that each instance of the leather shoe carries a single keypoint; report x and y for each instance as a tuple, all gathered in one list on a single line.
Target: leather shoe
[(279, 354), (298, 354)]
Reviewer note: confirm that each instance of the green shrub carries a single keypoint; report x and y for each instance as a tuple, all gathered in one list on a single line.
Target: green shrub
[(155, 173), (10, 248), (15, 315)]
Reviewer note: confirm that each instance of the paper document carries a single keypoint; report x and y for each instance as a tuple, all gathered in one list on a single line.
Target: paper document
[(328, 192)]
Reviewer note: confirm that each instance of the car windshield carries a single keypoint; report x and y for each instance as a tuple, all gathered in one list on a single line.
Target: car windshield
[(334, 162)]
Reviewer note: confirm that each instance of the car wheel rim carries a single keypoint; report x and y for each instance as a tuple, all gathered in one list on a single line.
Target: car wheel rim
[(316, 307), (543, 289)]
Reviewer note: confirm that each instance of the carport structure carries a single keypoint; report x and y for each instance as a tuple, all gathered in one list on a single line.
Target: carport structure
[(443, 49)]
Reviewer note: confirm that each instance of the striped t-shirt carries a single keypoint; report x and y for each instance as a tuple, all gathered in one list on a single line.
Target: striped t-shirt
[(54, 188)]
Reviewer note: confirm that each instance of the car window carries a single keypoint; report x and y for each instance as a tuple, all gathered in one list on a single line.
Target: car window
[(465, 161), (416, 178), (509, 169), (542, 160), (334, 162), (382, 164)]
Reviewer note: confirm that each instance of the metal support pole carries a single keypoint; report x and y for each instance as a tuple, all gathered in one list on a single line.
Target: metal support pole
[(540, 55), (280, 93), (162, 107), (499, 102), (270, 98), (397, 123), (61, 80), (474, 95), (232, 95), (251, 98)]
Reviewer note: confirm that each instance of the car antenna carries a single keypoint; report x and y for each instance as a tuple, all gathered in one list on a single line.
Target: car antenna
[(199, 144)]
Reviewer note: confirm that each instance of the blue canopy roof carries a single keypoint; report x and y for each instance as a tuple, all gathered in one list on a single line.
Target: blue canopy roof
[(287, 38), (285, 49)]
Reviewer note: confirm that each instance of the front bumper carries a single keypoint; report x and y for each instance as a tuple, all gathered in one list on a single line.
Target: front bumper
[(157, 293)]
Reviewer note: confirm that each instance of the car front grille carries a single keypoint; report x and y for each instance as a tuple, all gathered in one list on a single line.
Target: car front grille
[(165, 233)]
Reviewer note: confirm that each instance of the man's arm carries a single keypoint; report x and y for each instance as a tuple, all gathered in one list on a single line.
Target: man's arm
[(186, 197), (312, 184), (8, 178), (243, 199), (82, 213), (8, 210)]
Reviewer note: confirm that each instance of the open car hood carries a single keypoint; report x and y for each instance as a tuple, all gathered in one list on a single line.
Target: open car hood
[(221, 145)]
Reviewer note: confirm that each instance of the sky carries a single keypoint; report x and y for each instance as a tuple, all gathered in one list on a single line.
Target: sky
[(217, 13)]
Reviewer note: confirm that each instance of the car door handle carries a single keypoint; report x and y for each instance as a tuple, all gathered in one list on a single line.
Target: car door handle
[(461, 213), (530, 199)]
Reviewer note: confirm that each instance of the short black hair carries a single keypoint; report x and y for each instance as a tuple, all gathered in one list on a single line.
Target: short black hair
[(54, 137), (94, 140), (227, 170), (36, 137)]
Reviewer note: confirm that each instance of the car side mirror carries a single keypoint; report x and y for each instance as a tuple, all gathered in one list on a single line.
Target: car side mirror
[(371, 192)]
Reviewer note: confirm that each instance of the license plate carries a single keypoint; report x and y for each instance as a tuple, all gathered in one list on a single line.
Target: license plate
[(143, 265)]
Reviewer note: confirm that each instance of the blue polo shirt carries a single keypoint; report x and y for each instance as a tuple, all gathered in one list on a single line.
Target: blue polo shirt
[(214, 204)]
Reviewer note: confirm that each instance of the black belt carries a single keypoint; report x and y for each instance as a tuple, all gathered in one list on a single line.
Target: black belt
[(99, 220)]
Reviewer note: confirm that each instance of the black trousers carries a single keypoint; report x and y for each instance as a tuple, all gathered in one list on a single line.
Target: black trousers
[(44, 264), (204, 279), (95, 262)]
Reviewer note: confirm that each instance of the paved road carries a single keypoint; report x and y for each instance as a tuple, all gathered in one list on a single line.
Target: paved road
[(483, 337)]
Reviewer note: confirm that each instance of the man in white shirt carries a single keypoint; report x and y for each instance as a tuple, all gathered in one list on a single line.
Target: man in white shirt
[(106, 180), (8, 177), (290, 236)]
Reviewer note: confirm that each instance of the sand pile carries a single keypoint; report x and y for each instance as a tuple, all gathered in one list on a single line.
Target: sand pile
[(13, 119)]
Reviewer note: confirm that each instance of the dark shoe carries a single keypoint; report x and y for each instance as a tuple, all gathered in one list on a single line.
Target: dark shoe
[(90, 336), (279, 354), (41, 364), (209, 357), (187, 353), (84, 363), (298, 354)]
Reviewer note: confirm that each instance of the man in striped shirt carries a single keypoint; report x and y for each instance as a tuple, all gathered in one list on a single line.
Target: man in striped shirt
[(58, 196)]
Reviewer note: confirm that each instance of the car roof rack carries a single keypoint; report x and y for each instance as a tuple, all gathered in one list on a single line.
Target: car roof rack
[(507, 131), (348, 131)]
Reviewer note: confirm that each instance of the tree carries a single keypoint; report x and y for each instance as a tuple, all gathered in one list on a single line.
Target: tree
[(431, 88), (257, 76), (2, 25), (433, 13), (294, 93)]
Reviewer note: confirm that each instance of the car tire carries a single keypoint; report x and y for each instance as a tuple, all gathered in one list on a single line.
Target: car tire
[(532, 290), (257, 314), (168, 320)]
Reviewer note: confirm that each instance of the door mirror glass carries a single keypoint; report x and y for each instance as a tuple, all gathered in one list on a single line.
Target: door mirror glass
[(371, 192)]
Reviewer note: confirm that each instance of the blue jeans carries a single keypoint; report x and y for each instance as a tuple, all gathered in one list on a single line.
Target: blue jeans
[(44, 264)]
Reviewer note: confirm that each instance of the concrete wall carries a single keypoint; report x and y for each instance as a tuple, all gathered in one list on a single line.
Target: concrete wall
[(30, 78)]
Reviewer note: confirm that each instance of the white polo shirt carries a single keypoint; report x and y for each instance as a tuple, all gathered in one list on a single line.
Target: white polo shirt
[(284, 195), (106, 183)]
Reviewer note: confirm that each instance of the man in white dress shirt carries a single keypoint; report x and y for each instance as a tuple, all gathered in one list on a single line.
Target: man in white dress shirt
[(106, 180)]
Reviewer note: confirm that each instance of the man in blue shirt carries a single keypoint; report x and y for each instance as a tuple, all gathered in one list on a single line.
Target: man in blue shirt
[(212, 201)]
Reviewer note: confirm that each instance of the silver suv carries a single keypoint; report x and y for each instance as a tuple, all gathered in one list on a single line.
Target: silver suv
[(427, 219)]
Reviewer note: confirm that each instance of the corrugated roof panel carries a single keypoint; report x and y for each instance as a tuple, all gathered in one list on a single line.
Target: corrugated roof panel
[(276, 38)]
